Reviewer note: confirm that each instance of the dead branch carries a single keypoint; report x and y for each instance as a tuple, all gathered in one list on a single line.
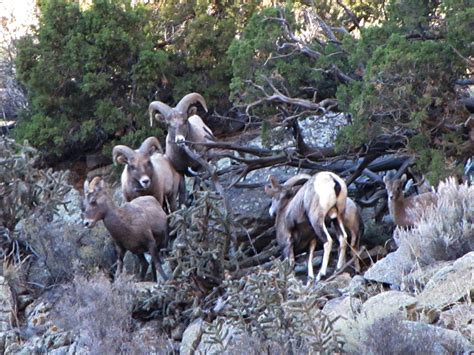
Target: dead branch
[(278, 96), (354, 19)]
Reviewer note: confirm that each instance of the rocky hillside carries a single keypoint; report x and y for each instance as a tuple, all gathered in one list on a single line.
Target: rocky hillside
[(58, 294)]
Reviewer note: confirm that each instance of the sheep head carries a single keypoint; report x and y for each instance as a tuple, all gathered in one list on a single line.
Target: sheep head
[(394, 187), (278, 193), (282, 193), (94, 203), (176, 118), (139, 165)]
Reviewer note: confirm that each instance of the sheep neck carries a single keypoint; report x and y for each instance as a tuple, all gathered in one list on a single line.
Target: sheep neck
[(397, 209), (112, 219)]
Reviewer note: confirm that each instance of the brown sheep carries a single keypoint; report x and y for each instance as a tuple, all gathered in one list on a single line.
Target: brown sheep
[(148, 172), (139, 226), (323, 195)]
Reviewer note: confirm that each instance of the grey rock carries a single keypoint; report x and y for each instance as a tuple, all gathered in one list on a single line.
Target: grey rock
[(321, 131), (386, 304), (461, 318), (416, 280), (342, 311), (6, 305), (450, 284), (192, 337), (391, 269)]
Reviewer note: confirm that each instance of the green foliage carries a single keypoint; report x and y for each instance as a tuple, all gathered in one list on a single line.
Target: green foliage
[(274, 306), (408, 83), (251, 59), (25, 189), (105, 62), (98, 64)]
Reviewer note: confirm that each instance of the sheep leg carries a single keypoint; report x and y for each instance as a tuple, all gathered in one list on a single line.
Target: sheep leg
[(342, 243), (355, 249), (284, 237), (312, 247), (182, 192), (172, 203), (316, 220), (156, 264), (143, 266), (327, 248), (120, 255)]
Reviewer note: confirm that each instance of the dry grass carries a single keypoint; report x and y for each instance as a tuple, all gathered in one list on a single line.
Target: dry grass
[(99, 314), (446, 231), (393, 336)]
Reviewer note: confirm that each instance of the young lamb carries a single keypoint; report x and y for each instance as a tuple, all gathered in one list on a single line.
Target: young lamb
[(404, 211), (139, 226)]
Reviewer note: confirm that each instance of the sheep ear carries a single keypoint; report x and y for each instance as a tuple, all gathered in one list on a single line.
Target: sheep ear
[(121, 159), (152, 150), (385, 179), (192, 111), (403, 178), (273, 182)]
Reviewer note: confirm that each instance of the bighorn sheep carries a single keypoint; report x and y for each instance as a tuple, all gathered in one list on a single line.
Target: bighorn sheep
[(323, 195), (139, 226), (182, 129), (404, 210), (148, 172)]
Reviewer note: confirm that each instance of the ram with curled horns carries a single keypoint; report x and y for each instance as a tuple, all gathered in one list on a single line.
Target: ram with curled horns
[(149, 172), (184, 127)]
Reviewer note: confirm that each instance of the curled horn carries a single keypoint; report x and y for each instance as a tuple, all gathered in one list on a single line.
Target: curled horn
[(148, 144), (188, 100), (90, 187), (121, 154), (161, 107)]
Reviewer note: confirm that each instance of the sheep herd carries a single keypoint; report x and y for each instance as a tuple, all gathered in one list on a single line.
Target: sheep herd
[(305, 207)]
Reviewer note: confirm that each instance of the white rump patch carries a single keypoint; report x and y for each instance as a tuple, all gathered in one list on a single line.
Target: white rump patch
[(323, 185)]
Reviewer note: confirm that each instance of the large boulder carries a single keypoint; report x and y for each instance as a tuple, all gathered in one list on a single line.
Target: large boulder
[(192, 337), (392, 269), (394, 336), (342, 312), (6, 312), (450, 284), (386, 304)]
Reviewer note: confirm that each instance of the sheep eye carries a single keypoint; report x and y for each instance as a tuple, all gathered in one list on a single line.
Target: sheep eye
[(132, 167)]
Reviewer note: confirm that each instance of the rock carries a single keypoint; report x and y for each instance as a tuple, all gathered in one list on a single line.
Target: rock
[(386, 304), (356, 288), (321, 131), (444, 341), (6, 305), (460, 317), (3, 336), (342, 311), (450, 284), (417, 279), (229, 335), (253, 201), (277, 139), (70, 212), (94, 161), (192, 337), (391, 269), (391, 335)]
